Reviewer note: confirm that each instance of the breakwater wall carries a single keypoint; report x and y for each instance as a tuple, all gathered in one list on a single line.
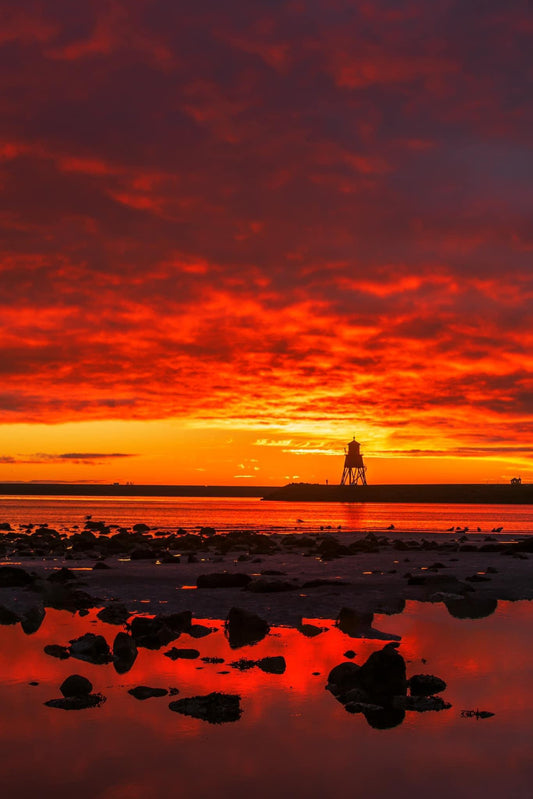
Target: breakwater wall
[(464, 493)]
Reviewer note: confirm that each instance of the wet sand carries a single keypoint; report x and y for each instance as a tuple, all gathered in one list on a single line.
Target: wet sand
[(311, 576)]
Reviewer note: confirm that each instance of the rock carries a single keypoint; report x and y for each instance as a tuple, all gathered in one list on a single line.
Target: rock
[(142, 553), (223, 580), (244, 628), (124, 652), (208, 531), (62, 597), (7, 616), (471, 608), (349, 654), (188, 654), (5, 527), (32, 620), (215, 708), (352, 623), (140, 528), (77, 702), (343, 677), (309, 630), (262, 585), (57, 651), (177, 622), (91, 648), (272, 665), (100, 566), (152, 633), (62, 575), (116, 613), (76, 685), (383, 674), (199, 631), (425, 685), (145, 692), (14, 577), (421, 704)]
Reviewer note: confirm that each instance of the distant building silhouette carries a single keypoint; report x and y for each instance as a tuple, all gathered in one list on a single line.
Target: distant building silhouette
[(354, 471)]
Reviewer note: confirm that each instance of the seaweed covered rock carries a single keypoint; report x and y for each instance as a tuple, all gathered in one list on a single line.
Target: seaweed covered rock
[(244, 628)]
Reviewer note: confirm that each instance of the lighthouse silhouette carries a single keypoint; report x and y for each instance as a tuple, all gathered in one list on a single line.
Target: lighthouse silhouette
[(354, 471)]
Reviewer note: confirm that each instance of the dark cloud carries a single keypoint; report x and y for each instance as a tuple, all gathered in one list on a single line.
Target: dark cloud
[(266, 210)]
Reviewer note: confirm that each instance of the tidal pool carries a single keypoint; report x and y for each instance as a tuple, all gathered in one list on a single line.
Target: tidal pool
[(293, 738)]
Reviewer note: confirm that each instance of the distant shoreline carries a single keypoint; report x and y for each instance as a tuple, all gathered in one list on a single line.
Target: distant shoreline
[(460, 493)]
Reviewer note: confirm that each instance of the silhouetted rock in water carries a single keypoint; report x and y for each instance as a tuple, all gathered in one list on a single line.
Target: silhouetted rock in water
[(216, 708), (272, 665), (5, 527), (91, 648), (209, 532), (212, 660), (187, 654), (223, 580), (62, 575), (14, 577), (390, 606), (421, 704), (383, 674), (385, 718), (152, 633), (425, 685), (57, 651), (124, 652), (263, 585), (32, 620), (349, 654), (168, 557), (117, 613), (145, 692), (77, 702), (7, 616), (142, 553), (244, 628), (329, 548), (140, 528), (309, 630), (352, 623), (199, 630), (62, 597), (177, 622), (344, 678), (471, 607), (76, 685)]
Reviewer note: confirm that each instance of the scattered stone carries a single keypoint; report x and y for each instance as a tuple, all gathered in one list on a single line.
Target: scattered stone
[(349, 654), (57, 651), (140, 528), (117, 613), (76, 685), (425, 685), (244, 628), (124, 652), (32, 620), (212, 660), (476, 714), (199, 630), (188, 654), (272, 665), (143, 692), (421, 704), (7, 617), (215, 708), (352, 623), (62, 575), (310, 630), (91, 648), (77, 702), (100, 566)]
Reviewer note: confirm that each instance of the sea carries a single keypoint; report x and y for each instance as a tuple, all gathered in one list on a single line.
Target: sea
[(228, 514)]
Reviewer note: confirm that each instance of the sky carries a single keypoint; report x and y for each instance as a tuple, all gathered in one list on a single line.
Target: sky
[(234, 235)]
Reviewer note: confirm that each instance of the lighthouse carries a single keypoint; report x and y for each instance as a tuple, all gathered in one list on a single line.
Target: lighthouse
[(354, 471)]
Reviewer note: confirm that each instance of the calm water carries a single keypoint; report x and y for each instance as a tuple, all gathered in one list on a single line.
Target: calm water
[(251, 513), (293, 738)]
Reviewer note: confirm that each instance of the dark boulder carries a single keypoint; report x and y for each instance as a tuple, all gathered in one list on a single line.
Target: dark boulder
[(145, 692), (471, 608), (32, 620), (124, 652), (215, 708), (352, 623), (244, 628), (343, 678), (62, 575), (187, 654), (309, 630), (425, 685), (223, 580), (57, 651), (140, 528), (7, 616), (76, 685), (77, 702), (272, 665), (91, 648), (152, 633), (117, 613), (383, 674)]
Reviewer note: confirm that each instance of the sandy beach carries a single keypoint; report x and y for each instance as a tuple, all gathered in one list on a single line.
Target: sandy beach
[(284, 578)]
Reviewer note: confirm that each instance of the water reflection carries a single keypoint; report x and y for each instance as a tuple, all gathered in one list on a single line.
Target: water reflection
[(291, 732)]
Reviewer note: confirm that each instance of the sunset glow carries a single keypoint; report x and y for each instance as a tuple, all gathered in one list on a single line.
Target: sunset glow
[(235, 235)]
